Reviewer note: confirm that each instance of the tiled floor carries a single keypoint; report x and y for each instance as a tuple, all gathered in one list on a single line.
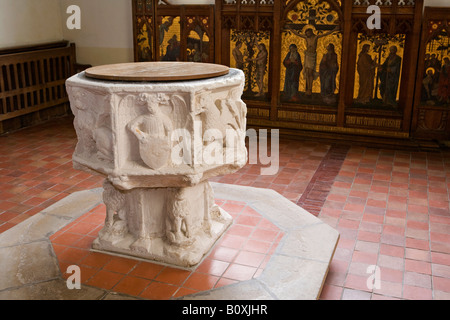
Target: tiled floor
[(36, 170), (241, 254), (390, 207)]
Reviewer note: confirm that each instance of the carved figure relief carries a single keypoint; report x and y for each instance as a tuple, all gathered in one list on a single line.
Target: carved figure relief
[(179, 111), (92, 123), (115, 201), (177, 218), (83, 122), (153, 131), (103, 138), (221, 114)]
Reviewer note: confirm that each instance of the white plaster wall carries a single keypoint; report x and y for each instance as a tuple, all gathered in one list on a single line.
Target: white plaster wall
[(104, 23), (25, 22), (437, 3), (106, 34)]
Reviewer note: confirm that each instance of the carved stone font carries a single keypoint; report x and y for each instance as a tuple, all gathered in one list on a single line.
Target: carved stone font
[(156, 144)]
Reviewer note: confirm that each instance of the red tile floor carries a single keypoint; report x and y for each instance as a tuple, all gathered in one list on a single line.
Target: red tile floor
[(390, 207), (241, 254)]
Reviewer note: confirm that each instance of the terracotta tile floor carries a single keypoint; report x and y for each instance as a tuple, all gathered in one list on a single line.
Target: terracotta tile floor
[(240, 255), (390, 207)]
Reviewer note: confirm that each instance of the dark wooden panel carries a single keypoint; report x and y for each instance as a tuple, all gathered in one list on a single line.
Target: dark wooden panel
[(34, 79)]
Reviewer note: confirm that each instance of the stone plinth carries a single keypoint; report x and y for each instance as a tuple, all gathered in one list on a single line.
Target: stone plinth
[(157, 143)]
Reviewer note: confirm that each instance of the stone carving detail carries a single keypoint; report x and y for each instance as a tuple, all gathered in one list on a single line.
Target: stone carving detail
[(115, 202), (177, 219), (83, 122), (103, 139), (153, 131), (222, 114), (179, 112), (92, 123)]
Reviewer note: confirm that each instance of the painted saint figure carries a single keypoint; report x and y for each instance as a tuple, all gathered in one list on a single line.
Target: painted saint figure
[(428, 82), (173, 50), (261, 67), (366, 67), (444, 82), (293, 64), (328, 70), (238, 56), (390, 76)]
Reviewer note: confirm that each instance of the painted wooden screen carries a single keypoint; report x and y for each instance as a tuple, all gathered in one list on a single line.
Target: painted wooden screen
[(165, 32)]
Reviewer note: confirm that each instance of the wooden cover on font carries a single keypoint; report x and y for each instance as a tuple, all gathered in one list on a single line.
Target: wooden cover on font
[(157, 71)]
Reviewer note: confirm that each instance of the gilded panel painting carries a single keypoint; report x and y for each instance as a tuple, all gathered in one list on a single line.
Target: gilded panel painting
[(198, 45), (436, 79), (378, 71), (250, 53), (311, 54), (144, 39), (169, 38)]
